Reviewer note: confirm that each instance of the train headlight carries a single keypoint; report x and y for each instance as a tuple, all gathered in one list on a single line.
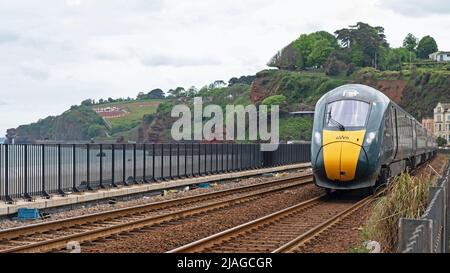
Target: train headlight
[(370, 137), (318, 138)]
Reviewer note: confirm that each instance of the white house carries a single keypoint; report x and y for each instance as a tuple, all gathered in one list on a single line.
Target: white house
[(440, 56)]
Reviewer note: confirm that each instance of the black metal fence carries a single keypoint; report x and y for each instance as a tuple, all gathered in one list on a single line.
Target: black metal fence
[(30, 170), (430, 234)]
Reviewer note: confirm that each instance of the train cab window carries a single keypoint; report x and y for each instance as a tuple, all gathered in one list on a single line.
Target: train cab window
[(346, 114)]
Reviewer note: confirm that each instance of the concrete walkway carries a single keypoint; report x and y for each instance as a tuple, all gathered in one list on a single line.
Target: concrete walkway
[(59, 201)]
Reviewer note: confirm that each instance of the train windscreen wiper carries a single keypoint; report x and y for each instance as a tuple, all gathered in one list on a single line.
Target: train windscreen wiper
[(337, 123)]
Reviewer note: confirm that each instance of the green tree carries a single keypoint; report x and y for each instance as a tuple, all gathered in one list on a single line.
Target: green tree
[(315, 48), (395, 57), (156, 94), (410, 42), (309, 50), (441, 142), (87, 102), (288, 58), (366, 44), (427, 45)]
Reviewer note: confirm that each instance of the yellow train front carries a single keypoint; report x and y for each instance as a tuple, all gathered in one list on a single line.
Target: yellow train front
[(361, 138)]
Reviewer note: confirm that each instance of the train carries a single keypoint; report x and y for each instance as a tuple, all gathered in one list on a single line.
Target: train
[(361, 139)]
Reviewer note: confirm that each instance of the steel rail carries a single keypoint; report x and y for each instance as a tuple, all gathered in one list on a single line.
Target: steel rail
[(115, 225)]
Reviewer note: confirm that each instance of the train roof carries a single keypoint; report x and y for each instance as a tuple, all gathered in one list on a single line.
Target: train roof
[(356, 91)]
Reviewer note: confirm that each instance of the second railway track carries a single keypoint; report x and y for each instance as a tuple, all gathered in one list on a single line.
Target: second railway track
[(53, 235), (282, 231)]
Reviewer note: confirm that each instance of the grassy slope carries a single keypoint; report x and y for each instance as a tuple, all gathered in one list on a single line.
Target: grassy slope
[(122, 125)]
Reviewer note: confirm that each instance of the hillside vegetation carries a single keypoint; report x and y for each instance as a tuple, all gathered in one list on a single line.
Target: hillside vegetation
[(304, 70)]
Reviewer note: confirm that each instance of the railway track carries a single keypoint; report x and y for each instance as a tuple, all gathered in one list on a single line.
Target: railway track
[(283, 231), (54, 235)]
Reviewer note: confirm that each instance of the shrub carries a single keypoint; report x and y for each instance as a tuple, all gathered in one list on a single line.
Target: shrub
[(406, 197)]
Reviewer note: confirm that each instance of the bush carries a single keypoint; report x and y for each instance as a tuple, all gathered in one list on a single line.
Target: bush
[(406, 197), (441, 142), (293, 128), (274, 100), (96, 130)]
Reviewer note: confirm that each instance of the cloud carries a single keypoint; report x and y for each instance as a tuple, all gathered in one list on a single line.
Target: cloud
[(176, 61), (57, 53), (35, 70), (414, 8), (6, 37)]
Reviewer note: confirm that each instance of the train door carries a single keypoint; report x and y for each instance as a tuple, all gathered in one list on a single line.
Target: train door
[(394, 130)]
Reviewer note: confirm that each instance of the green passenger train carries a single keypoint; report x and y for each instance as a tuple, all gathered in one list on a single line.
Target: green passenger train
[(361, 139)]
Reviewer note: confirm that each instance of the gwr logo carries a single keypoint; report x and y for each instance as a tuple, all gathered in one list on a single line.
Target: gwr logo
[(342, 138)]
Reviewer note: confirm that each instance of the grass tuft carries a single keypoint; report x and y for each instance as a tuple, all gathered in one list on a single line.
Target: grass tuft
[(406, 197)]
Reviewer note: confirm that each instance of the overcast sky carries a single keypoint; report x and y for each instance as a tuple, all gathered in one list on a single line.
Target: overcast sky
[(55, 53)]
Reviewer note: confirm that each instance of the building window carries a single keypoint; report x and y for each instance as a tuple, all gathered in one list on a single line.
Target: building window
[(438, 118), (440, 127), (448, 118)]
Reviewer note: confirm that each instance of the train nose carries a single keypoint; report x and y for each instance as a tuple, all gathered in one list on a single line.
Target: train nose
[(342, 159)]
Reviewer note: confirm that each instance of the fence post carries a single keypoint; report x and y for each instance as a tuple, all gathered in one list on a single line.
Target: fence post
[(101, 166), (134, 164), (124, 165), (170, 161), (185, 160), (74, 169), (178, 161), (88, 167), (44, 191), (113, 165), (144, 163), (25, 179), (162, 162), (199, 159), (8, 198), (153, 162)]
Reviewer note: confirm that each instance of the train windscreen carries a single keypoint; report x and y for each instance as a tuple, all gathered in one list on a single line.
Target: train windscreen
[(346, 114)]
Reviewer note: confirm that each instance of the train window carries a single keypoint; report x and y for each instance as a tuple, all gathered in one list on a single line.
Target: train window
[(347, 113)]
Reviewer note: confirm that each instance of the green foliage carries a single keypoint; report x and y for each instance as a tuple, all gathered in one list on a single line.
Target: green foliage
[(73, 124), (294, 128), (364, 43), (410, 42), (304, 87), (274, 100), (241, 80), (95, 130), (309, 50), (154, 94), (396, 57), (441, 142), (165, 108), (315, 48), (427, 45)]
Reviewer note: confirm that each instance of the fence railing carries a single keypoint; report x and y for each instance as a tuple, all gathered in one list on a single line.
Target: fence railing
[(430, 234), (30, 170)]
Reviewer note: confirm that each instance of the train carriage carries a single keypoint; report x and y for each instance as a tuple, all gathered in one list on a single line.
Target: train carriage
[(361, 138)]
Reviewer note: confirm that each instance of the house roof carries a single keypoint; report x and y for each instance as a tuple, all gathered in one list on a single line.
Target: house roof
[(439, 52), (446, 106)]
